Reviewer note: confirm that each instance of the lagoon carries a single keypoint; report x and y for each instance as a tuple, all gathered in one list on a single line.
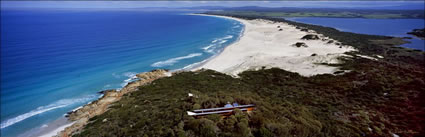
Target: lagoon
[(386, 27)]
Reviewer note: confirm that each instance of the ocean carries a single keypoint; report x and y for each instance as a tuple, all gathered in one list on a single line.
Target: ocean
[(53, 61), (386, 27)]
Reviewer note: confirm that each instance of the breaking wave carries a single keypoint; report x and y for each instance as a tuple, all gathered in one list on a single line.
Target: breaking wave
[(58, 104), (171, 61), (131, 76), (216, 44)]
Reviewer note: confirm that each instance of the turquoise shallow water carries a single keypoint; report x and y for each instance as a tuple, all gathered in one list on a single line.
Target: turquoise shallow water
[(386, 27), (55, 61)]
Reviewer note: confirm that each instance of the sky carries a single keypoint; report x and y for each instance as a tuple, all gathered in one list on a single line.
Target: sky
[(176, 4)]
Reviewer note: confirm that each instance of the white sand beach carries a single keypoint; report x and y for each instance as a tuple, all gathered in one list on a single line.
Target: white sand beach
[(263, 44)]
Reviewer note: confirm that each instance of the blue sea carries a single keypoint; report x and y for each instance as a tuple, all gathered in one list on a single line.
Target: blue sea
[(53, 61), (386, 27)]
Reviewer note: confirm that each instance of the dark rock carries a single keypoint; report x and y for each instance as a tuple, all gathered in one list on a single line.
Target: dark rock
[(330, 41), (105, 91), (280, 29), (68, 113), (278, 26), (300, 44), (314, 54), (339, 72), (310, 37)]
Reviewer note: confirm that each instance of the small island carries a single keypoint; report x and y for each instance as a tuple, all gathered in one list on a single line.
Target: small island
[(420, 33)]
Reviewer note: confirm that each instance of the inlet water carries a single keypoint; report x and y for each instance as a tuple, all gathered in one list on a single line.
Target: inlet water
[(386, 27)]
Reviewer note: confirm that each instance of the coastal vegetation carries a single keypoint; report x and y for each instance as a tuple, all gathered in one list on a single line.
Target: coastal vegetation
[(420, 33), (319, 12), (369, 97), (365, 44), (372, 100), (310, 37), (300, 44)]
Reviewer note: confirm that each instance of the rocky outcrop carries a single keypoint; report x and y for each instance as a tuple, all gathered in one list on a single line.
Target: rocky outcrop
[(81, 116)]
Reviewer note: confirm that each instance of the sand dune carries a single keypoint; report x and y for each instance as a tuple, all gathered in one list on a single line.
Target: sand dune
[(262, 44)]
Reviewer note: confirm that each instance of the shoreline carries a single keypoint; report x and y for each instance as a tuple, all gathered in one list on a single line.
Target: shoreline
[(55, 131), (69, 123), (257, 46), (49, 129), (201, 63), (78, 118)]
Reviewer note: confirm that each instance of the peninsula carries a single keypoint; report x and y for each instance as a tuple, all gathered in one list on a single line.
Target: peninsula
[(305, 80)]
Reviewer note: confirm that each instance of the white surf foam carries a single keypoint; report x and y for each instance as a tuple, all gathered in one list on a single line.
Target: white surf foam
[(75, 109), (130, 74), (191, 66), (223, 41), (131, 77), (58, 104), (209, 46), (57, 130), (216, 43), (171, 61), (228, 37)]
